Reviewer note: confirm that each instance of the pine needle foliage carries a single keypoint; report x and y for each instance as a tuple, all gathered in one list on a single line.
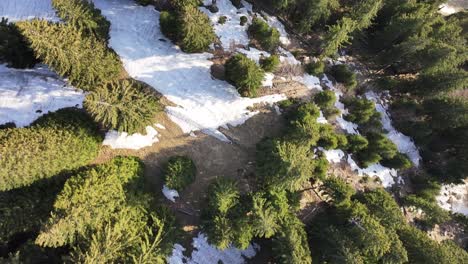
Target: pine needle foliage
[(196, 31), (84, 16), (84, 60), (245, 74), (105, 217), (57, 142), (123, 105), (14, 49), (179, 172)]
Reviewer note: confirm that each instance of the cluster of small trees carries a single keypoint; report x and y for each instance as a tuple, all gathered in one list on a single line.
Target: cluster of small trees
[(77, 50), (55, 143), (266, 36), (368, 227), (187, 26)]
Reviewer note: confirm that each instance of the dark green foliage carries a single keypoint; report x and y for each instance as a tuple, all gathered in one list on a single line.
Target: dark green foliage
[(303, 123), (434, 214), (181, 4), (290, 245), (236, 3), (123, 105), (328, 139), (84, 60), (337, 36), (169, 25), (356, 143), (379, 147), (57, 142), (364, 12), (14, 49), (270, 64), (267, 37), (363, 113), (243, 20), (399, 161), (179, 172), (83, 16), (338, 190), (222, 19), (344, 75), (382, 205), (245, 74), (325, 99), (104, 216), (196, 33), (315, 68), (307, 14)]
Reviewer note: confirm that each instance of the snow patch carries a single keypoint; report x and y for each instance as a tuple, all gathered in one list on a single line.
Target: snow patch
[(15, 10), (254, 54), (160, 126), (333, 155), (404, 143), (27, 94), (447, 9), (170, 194), (275, 23), (310, 81), (268, 79), (386, 175), (454, 197), (122, 140), (204, 253), (185, 79)]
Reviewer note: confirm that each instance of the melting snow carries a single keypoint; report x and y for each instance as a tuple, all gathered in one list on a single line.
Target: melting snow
[(170, 194), (404, 143), (385, 174), (15, 10), (160, 126), (27, 94), (454, 197), (203, 103), (204, 253), (268, 79), (275, 23), (122, 140), (254, 54)]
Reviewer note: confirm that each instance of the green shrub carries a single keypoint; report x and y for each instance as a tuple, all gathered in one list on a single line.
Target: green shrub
[(342, 141), (433, 213), (344, 75), (315, 68), (222, 19), (328, 139), (14, 49), (181, 4), (304, 128), (270, 64), (237, 3), (83, 16), (243, 20), (362, 112), (400, 161), (57, 142), (179, 172), (267, 37), (325, 99), (338, 189), (196, 32), (365, 158), (123, 105), (169, 25), (380, 144), (356, 143), (84, 60), (245, 74)]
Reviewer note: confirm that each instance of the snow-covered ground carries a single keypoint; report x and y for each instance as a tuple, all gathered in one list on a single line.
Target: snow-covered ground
[(454, 197), (27, 94), (123, 140), (170, 194), (204, 253), (202, 103), (15, 10)]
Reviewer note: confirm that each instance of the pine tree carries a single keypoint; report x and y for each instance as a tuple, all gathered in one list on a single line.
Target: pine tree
[(291, 244), (123, 105), (14, 49), (196, 31), (37, 152), (309, 13), (337, 36), (84, 60), (364, 12), (245, 74), (84, 16)]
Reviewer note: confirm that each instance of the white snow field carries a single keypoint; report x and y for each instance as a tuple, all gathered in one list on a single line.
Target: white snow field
[(202, 103), (27, 94), (454, 197), (204, 253), (15, 10), (404, 143)]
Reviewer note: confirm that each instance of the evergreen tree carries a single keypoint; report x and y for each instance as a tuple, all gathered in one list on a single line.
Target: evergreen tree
[(309, 13), (290, 245), (84, 16), (364, 12), (195, 30), (37, 152), (84, 60), (179, 172), (337, 36), (14, 49), (245, 74), (265, 217), (268, 37), (123, 105)]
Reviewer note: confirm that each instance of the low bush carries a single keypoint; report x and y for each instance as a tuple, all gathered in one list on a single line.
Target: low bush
[(179, 172), (344, 75), (315, 68), (356, 143), (237, 3), (245, 74), (243, 20), (222, 19), (379, 148), (328, 139), (325, 99), (123, 105), (338, 190), (14, 49), (304, 128), (56, 142), (270, 64), (363, 113), (267, 37), (169, 25)]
